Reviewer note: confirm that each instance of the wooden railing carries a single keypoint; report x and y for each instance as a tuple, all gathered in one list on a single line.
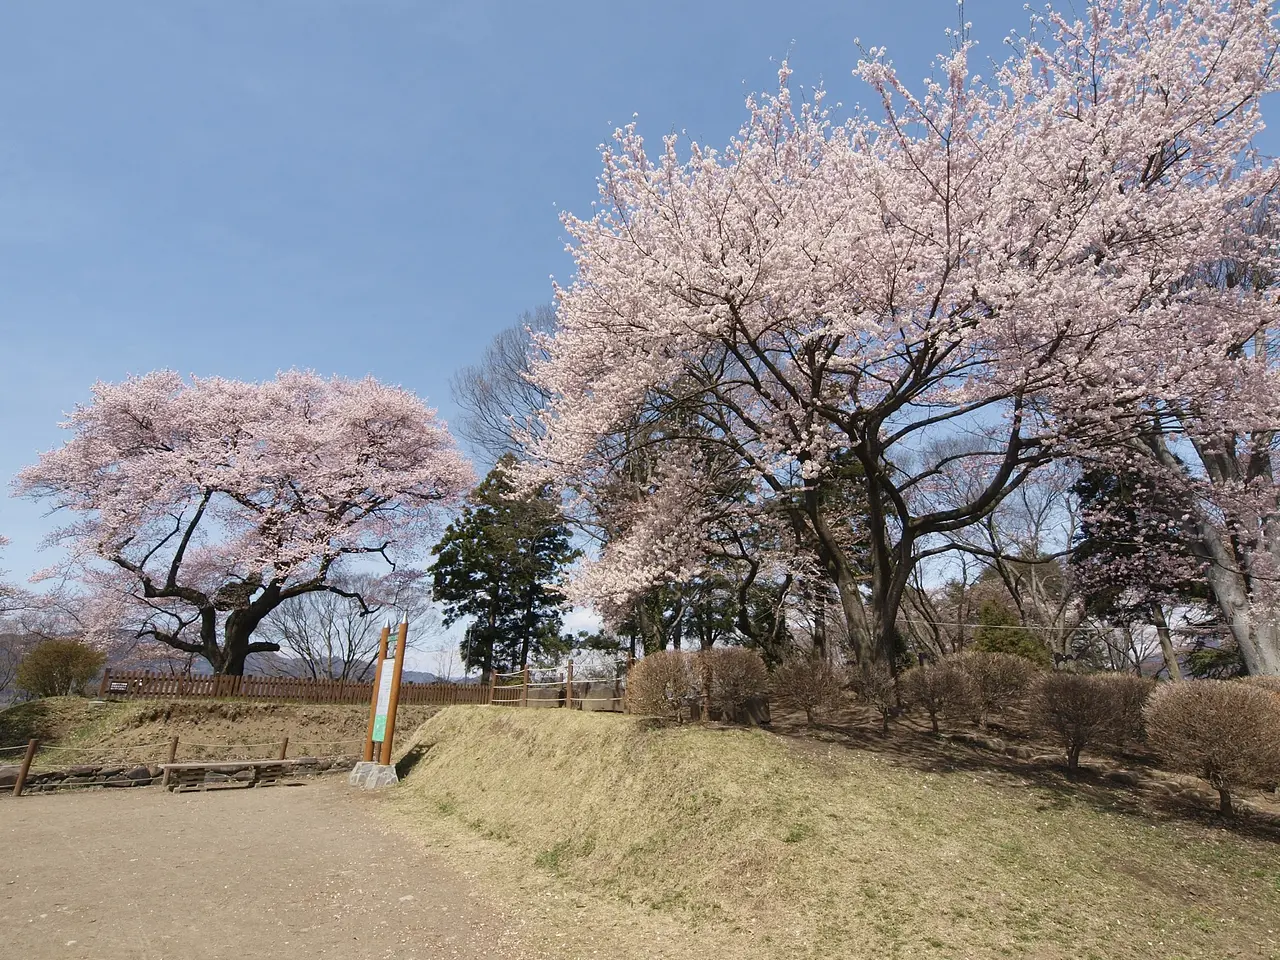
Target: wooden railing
[(144, 683), (555, 688)]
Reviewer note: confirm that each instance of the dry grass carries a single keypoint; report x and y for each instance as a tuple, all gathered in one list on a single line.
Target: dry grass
[(752, 845), (75, 730)]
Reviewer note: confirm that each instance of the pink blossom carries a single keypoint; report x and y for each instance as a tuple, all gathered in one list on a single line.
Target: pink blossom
[(1013, 261), (212, 500)]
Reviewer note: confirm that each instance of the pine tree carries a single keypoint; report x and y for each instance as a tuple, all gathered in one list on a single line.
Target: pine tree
[(500, 564), (1000, 632), (1137, 552)]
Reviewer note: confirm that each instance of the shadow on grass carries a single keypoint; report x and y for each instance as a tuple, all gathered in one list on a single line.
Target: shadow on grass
[(25, 721), (1118, 782), (412, 757)]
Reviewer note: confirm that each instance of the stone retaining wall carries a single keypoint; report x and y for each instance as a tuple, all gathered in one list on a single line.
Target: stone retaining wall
[(142, 775)]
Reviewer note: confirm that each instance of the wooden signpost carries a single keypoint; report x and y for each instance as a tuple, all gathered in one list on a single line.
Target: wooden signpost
[(389, 696), (373, 703), (375, 768)]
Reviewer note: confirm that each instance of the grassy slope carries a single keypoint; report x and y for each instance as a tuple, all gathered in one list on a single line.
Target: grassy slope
[(764, 847), (82, 732)]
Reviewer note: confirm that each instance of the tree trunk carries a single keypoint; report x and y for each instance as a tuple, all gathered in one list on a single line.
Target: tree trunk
[(1073, 760), (490, 643), (235, 645), (652, 638), (527, 639), (1224, 802), (1171, 665), (1229, 572), (237, 634), (819, 595), (1257, 638)]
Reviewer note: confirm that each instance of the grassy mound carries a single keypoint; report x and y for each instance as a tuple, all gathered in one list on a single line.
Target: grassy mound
[(804, 850), (76, 730)]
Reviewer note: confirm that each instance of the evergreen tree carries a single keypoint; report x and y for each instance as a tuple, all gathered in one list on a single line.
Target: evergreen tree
[(1000, 632), (1136, 547), (1138, 552), (500, 564)]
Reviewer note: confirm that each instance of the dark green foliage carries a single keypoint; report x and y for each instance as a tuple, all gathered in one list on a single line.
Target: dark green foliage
[(500, 564), (58, 668), (1206, 662), (716, 609), (1000, 632), (762, 622)]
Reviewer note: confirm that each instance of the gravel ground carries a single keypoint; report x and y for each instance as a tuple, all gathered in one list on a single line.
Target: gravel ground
[(299, 872)]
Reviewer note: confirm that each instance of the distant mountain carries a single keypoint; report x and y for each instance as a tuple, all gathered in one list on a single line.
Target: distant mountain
[(258, 665)]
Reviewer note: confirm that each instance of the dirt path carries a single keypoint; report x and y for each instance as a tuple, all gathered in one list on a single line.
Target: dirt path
[(298, 872)]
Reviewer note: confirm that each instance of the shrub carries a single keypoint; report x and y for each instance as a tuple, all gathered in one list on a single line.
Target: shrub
[(1131, 694), (56, 668), (942, 689), (999, 681), (737, 676), (807, 683), (1268, 683), (1084, 709), (662, 684), (1224, 732), (874, 686)]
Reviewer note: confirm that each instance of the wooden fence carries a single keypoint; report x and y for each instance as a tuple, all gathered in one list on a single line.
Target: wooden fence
[(558, 687), (523, 688), (144, 683)]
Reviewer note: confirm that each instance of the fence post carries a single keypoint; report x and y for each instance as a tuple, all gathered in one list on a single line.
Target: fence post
[(568, 686), (26, 766), (493, 680), (524, 689), (173, 752), (102, 687), (284, 747)]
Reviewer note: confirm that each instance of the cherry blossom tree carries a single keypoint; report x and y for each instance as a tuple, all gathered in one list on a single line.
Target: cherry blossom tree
[(13, 640), (1212, 451), (12, 598), (201, 505), (1006, 258)]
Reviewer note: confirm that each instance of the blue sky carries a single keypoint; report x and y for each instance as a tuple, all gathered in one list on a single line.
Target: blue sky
[(354, 186)]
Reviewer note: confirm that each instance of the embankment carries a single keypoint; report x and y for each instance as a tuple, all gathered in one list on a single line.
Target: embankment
[(802, 849), (80, 731)]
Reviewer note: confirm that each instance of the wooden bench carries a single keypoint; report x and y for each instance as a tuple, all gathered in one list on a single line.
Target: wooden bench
[(191, 775)]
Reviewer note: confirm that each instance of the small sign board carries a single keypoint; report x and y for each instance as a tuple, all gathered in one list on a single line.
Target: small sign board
[(384, 701), (117, 686)]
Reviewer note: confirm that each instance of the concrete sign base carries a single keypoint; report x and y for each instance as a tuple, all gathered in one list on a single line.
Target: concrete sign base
[(372, 775)]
